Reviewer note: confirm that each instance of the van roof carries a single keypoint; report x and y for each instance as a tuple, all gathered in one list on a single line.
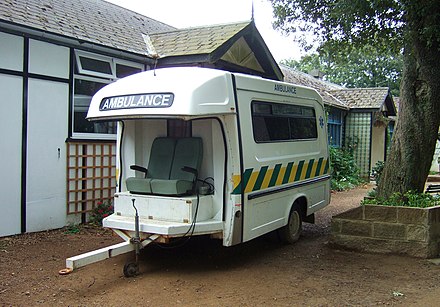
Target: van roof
[(185, 92)]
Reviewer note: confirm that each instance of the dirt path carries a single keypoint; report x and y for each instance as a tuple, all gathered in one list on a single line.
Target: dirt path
[(203, 273)]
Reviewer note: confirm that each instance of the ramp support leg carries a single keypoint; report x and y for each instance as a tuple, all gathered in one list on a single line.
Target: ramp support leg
[(76, 262)]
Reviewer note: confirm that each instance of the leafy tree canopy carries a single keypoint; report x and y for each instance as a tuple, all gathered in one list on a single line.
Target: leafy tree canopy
[(410, 27), (381, 23), (362, 67)]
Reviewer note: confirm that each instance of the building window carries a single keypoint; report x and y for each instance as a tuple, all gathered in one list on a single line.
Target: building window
[(274, 122), (91, 73), (335, 128), (94, 65), (124, 69), (85, 88)]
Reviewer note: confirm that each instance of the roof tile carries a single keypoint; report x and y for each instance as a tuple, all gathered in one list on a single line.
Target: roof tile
[(200, 40), (88, 20), (363, 98), (336, 95), (324, 88)]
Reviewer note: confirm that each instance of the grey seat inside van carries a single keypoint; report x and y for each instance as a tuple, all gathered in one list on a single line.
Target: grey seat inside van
[(172, 169)]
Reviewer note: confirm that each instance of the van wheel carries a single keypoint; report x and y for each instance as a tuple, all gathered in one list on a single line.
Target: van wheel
[(131, 269), (292, 231)]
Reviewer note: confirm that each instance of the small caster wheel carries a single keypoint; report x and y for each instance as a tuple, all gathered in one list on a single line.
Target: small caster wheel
[(131, 269)]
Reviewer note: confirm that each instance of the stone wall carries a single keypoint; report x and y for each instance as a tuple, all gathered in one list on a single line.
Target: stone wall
[(381, 229)]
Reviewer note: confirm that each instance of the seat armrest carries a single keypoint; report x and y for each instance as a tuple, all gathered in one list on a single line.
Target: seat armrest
[(196, 175), (191, 170), (139, 169)]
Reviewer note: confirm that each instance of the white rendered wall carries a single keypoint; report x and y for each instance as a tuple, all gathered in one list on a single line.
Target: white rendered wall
[(47, 130), (377, 145), (10, 146), (11, 88), (46, 155), (48, 59)]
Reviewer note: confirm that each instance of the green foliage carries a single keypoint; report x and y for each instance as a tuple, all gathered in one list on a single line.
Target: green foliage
[(409, 199), (101, 211), (377, 170), (345, 173), (393, 26), (342, 22), (362, 67), (358, 43), (372, 193), (72, 229)]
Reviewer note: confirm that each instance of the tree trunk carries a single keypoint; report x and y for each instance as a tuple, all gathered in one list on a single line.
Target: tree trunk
[(419, 116)]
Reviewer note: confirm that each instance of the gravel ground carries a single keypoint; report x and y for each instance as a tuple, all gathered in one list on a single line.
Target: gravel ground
[(262, 272)]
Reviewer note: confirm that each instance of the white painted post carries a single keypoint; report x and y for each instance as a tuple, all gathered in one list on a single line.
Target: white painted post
[(75, 262)]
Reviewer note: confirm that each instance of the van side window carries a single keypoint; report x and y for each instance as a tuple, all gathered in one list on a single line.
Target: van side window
[(272, 122)]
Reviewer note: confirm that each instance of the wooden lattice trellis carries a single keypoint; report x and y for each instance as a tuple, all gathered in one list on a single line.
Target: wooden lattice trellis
[(91, 169)]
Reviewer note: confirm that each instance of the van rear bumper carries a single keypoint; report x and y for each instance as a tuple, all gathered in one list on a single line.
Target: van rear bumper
[(165, 228)]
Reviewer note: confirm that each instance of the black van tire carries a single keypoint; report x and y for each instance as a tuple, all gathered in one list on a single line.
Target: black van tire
[(292, 231)]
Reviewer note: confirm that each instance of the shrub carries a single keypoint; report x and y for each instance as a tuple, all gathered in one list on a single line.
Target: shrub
[(377, 170), (345, 173), (72, 229), (101, 211), (409, 199)]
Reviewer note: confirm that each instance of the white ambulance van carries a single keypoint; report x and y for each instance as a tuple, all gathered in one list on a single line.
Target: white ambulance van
[(209, 152)]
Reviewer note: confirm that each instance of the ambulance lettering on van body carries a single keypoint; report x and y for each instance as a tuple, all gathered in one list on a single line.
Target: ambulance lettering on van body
[(157, 100), (285, 88)]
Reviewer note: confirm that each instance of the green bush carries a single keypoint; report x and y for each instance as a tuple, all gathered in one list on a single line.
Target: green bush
[(345, 173), (72, 229), (377, 170), (409, 199)]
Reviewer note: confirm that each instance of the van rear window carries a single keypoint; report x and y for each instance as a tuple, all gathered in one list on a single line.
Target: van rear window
[(274, 122)]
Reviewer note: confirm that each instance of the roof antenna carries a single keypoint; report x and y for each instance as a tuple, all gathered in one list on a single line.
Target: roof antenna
[(151, 51), (252, 14), (155, 64)]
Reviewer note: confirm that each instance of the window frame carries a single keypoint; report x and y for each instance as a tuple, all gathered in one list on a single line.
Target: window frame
[(127, 63), (335, 120), (95, 76), (98, 57), (288, 116), (86, 135)]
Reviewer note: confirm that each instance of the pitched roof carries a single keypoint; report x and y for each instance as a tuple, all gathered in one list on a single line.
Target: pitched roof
[(235, 47), (363, 98), (378, 98), (196, 40), (94, 21), (324, 88)]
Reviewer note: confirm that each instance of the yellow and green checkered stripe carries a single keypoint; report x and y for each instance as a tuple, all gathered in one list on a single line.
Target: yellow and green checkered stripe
[(255, 180)]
